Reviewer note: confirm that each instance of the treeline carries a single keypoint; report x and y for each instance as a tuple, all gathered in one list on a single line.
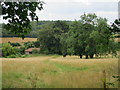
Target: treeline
[(89, 36), (35, 26)]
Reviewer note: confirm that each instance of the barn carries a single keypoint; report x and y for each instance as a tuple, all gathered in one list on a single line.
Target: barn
[(29, 50)]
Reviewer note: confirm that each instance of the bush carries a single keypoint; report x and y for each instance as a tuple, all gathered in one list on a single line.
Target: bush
[(22, 50), (36, 44), (28, 44), (35, 51), (11, 56), (15, 44), (8, 50), (23, 56)]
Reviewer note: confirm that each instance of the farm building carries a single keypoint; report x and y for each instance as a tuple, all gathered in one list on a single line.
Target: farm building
[(29, 50)]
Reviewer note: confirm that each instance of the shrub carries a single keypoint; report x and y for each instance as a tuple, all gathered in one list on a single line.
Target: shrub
[(23, 56), (35, 51), (15, 44), (22, 50), (36, 44), (8, 50), (28, 44), (12, 56)]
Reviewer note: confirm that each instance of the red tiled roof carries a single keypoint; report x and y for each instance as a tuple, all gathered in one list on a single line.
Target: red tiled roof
[(30, 49)]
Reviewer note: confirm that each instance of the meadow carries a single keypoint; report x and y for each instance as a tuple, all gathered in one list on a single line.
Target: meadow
[(16, 39), (54, 71)]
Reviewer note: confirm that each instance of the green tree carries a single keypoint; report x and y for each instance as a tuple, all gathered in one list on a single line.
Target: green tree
[(80, 34), (63, 43), (19, 15), (61, 25), (89, 36), (49, 42), (75, 40), (51, 37), (8, 50)]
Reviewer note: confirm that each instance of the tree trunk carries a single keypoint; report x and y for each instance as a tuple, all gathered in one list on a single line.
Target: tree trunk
[(91, 56), (86, 56), (64, 55), (81, 56)]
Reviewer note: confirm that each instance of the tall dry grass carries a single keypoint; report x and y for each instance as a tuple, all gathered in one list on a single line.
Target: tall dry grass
[(57, 72)]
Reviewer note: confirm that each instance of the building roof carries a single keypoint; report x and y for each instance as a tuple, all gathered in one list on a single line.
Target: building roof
[(30, 49)]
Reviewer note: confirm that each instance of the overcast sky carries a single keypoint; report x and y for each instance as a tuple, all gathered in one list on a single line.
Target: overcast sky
[(73, 9)]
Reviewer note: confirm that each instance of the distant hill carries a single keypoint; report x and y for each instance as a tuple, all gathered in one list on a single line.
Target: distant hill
[(36, 26)]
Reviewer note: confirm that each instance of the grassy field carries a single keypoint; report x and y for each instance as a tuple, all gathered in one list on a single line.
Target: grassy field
[(15, 39), (57, 72), (117, 39)]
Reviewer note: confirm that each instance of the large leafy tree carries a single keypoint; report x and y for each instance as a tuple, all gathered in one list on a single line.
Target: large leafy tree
[(52, 38), (80, 36), (48, 39), (61, 25), (89, 36), (75, 40), (19, 15)]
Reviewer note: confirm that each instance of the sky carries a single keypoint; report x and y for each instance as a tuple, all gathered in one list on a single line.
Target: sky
[(73, 9)]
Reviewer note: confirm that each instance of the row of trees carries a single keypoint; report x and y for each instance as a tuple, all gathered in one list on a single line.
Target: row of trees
[(33, 33), (89, 36)]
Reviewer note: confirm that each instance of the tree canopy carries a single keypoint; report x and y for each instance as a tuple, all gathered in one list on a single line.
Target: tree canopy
[(19, 15), (89, 36)]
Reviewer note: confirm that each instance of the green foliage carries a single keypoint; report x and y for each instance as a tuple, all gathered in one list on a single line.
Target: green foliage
[(32, 44), (62, 26), (22, 50), (28, 44), (50, 37), (89, 36), (12, 56), (15, 44), (23, 56), (17, 15), (35, 51), (36, 44), (8, 50), (49, 43)]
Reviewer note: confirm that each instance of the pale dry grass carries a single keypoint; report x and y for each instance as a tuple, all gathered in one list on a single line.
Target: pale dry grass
[(15, 39), (117, 39), (57, 72)]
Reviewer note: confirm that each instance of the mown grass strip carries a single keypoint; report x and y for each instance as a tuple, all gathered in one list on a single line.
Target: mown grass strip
[(66, 67)]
